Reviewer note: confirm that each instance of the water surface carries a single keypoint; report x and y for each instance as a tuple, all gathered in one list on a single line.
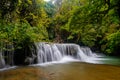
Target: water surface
[(63, 71)]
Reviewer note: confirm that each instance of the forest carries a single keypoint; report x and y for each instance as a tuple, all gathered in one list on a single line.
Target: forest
[(92, 23)]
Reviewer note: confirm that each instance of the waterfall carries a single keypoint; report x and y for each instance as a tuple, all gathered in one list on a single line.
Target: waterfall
[(88, 52), (45, 52), (2, 61), (6, 56), (48, 52), (9, 54), (55, 52)]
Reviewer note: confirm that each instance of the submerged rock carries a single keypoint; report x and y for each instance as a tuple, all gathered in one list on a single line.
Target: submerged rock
[(30, 60)]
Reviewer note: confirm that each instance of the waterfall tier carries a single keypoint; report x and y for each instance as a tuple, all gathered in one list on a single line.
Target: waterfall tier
[(2, 61), (6, 56), (55, 52), (44, 52)]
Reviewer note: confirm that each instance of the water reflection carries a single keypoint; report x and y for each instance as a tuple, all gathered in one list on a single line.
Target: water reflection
[(64, 71)]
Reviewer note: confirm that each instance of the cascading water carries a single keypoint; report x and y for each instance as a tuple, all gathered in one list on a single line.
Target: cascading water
[(6, 56), (45, 52), (48, 52), (88, 52), (56, 52), (2, 61)]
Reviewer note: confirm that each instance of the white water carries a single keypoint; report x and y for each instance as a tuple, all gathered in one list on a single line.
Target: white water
[(8, 68), (47, 0), (60, 53), (2, 61)]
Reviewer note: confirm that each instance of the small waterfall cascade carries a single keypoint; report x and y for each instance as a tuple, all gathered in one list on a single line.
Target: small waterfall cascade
[(55, 52), (6, 56), (2, 61), (45, 52), (9, 54), (72, 50), (88, 52), (48, 52)]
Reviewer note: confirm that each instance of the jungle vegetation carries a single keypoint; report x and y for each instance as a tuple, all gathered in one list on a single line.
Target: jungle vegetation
[(93, 23)]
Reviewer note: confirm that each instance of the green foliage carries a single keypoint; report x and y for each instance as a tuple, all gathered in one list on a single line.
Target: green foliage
[(90, 22), (21, 33), (50, 9), (113, 42), (23, 23), (94, 23)]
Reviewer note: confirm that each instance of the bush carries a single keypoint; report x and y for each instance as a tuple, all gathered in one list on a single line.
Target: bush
[(113, 43)]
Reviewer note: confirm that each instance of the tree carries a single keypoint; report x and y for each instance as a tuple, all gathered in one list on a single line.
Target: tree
[(21, 21), (88, 22)]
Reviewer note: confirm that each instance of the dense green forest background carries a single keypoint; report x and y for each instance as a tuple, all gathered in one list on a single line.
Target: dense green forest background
[(93, 23)]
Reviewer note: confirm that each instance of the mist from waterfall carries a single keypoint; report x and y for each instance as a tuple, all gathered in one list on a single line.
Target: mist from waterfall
[(49, 52), (63, 52)]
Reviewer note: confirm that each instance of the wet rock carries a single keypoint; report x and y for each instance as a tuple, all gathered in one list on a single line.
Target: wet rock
[(26, 55)]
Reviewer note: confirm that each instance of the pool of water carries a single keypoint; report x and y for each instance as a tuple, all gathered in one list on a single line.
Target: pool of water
[(103, 69)]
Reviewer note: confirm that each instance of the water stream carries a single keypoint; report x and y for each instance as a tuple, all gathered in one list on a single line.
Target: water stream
[(65, 62), (57, 52)]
